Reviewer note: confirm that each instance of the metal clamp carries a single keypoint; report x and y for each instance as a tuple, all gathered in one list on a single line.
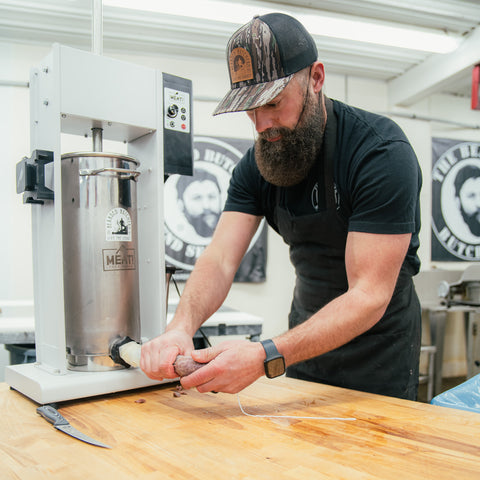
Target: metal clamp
[(31, 177), (121, 171)]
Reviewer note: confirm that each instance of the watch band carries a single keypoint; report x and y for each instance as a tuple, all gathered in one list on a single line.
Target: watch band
[(270, 349), (274, 362)]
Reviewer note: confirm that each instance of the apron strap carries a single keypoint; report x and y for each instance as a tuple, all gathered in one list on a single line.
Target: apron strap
[(328, 154)]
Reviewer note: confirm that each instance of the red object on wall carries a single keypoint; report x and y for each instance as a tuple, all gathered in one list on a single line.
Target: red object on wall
[(475, 87)]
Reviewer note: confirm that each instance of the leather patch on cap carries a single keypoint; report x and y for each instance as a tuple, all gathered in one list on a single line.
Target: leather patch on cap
[(240, 64)]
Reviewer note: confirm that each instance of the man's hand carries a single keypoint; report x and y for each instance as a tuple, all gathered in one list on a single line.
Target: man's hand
[(159, 354), (230, 367)]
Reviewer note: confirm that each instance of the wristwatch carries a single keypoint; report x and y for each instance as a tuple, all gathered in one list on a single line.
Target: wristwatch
[(275, 362)]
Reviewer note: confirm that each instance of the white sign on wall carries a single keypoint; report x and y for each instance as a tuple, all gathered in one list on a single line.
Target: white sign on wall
[(455, 200), (193, 206)]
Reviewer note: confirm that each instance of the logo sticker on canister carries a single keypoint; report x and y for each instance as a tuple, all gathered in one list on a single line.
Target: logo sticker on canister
[(122, 258), (118, 226)]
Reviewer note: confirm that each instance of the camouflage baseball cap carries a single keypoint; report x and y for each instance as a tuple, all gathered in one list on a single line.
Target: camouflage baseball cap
[(262, 57)]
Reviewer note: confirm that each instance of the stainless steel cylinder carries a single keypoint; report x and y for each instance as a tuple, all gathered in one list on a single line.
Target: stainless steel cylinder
[(473, 291), (99, 215)]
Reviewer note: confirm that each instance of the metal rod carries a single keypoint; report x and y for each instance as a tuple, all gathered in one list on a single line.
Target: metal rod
[(425, 118), (97, 27), (97, 137), (13, 83)]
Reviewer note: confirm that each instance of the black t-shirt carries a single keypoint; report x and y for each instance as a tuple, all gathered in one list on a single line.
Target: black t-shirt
[(377, 180)]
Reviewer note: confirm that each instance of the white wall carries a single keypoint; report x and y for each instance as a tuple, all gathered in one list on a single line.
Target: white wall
[(270, 300)]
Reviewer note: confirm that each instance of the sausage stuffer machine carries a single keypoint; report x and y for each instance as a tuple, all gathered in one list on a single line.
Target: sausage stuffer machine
[(97, 218)]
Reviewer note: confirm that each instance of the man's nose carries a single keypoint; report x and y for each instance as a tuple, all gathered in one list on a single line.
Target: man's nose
[(261, 119)]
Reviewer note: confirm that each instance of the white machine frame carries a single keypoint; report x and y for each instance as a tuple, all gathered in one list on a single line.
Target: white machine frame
[(73, 91)]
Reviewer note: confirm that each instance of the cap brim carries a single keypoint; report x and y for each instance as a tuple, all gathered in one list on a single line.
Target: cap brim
[(252, 96)]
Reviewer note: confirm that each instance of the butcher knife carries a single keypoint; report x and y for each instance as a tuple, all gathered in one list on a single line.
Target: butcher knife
[(62, 424)]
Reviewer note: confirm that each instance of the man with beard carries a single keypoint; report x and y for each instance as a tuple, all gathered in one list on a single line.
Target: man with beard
[(200, 201), (341, 186), (467, 196)]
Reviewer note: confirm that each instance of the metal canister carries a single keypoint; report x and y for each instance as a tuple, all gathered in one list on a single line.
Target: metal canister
[(101, 281), (472, 291)]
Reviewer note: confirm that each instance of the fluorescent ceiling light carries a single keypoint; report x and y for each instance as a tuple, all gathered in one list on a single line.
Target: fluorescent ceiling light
[(320, 25), (391, 36)]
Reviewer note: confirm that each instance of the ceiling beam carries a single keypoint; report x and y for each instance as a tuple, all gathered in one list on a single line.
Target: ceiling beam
[(435, 74)]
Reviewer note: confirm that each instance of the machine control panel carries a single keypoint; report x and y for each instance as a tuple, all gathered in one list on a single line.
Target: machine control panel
[(177, 125), (177, 110)]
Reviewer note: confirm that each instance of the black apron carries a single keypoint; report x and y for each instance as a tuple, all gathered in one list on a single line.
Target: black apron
[(382, 360)]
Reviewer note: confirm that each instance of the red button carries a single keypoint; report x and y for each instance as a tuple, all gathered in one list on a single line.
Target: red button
[(184, 126)]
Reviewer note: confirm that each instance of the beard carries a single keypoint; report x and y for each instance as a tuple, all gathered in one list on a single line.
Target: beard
[(286, 162), (205, 223), (472, 220)]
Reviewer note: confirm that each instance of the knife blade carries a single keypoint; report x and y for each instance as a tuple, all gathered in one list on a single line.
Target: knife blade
[(60, 423)]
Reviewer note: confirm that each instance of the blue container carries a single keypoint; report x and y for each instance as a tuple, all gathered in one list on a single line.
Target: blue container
[(465, 396), (22, 353)]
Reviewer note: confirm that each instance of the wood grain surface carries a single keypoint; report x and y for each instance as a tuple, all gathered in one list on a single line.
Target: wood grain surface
[(157, 433)]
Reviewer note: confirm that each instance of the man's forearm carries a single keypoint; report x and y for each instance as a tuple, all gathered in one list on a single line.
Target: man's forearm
[(205, 291), (373, 262), (334, 325), (212, 277)]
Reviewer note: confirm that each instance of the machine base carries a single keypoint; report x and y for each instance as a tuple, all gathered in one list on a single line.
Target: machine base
[(44, 387)]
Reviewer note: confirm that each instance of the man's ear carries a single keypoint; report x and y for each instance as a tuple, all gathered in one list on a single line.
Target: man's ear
[(318, 76)]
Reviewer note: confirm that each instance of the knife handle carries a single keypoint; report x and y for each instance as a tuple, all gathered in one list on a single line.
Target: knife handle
[(52, 415)]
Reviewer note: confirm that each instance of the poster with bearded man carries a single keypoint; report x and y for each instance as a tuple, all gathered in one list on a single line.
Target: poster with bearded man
[(193, 205), (455, 200)]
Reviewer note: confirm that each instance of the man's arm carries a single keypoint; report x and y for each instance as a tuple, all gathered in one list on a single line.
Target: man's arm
[(212, 277), (373, 263), (205, 291)]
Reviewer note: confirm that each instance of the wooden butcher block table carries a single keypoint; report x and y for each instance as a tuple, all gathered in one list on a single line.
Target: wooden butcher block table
[(157, 434)]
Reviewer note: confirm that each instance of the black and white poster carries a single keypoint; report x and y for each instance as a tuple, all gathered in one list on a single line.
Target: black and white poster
[(455, 200), (193, 205)]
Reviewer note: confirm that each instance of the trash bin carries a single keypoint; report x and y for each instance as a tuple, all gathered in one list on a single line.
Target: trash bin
[(465, 396), (22, 353)]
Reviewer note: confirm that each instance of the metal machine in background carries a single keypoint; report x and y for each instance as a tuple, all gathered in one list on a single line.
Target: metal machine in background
[(464, 295), (97, 218)]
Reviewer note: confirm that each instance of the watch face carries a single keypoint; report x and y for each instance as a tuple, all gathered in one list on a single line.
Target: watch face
[(275, 367)]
